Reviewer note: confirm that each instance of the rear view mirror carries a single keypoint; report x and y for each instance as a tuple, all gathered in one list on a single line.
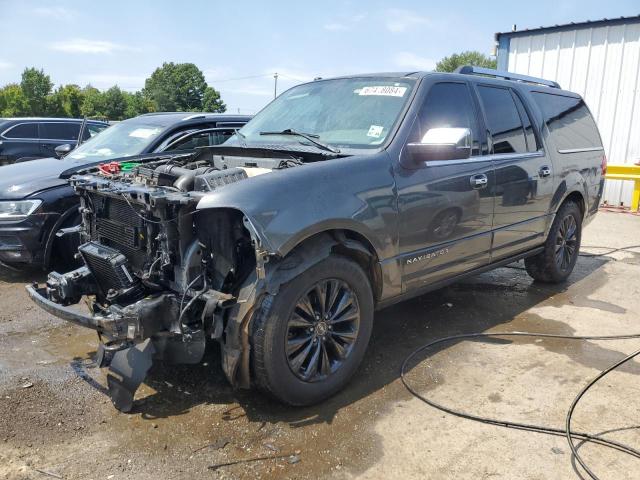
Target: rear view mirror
[(62, 150), (441, 144)]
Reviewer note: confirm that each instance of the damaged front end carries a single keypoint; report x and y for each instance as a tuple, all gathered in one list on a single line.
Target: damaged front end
[(160, 276)]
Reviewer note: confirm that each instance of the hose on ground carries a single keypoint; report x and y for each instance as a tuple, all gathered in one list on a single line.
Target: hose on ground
[(567, 432)]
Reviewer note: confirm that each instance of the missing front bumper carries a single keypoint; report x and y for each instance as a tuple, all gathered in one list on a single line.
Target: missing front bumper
[(127, 357)]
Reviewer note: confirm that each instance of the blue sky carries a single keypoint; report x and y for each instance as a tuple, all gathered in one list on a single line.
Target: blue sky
[(121, 42)]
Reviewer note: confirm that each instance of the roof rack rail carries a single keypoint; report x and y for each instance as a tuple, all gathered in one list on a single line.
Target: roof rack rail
[(471, 70)]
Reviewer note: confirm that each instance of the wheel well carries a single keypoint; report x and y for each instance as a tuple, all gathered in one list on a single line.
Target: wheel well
[(358, 248), (577, 198)]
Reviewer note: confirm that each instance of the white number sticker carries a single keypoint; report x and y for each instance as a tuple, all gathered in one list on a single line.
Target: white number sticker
[(375, 131), (384, 91)]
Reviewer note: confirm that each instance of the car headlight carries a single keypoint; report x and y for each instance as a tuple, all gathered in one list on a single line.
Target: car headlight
[(19, 209)]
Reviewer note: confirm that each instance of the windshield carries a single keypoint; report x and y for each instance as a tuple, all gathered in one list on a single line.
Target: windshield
[(121, 140), (343, 113)]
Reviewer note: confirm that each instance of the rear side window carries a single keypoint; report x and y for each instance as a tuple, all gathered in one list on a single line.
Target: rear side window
[(503, 120), (22, 130), (450, 105), (569, 121), (59, 131)]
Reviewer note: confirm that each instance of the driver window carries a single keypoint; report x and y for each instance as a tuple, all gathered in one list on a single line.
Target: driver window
[(449, 105)]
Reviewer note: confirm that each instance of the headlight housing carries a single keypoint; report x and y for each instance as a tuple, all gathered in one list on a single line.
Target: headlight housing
[(11, 210)]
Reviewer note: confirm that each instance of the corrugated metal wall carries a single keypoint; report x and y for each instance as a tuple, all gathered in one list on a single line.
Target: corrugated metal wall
[(603, 65)]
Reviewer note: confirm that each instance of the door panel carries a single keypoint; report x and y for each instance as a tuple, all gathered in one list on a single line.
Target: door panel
[(445, 206), (445, 223), (523, 175)]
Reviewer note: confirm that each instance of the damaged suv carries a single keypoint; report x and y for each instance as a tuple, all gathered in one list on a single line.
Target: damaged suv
[(341, 197)]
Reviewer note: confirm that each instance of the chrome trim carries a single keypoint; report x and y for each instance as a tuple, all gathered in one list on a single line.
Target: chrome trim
[(485, 158), (17, 125), (579, 150)]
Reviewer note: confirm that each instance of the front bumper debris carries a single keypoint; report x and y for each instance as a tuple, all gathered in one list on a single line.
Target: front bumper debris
[(133, 337), (103, 325)]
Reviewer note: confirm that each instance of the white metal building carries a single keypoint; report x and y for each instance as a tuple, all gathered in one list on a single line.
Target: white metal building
[(600, 60)]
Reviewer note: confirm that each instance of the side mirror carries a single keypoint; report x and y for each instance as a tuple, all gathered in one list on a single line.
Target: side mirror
[(62, 150), (441, 144)]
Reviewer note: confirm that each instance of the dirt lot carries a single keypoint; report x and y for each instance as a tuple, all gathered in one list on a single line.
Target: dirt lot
[(54, 417)]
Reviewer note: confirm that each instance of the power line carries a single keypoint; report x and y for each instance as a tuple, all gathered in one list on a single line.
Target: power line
[(241, 78)]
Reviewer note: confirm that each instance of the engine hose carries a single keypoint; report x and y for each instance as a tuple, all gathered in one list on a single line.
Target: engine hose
[(567, 432), (192, 301)]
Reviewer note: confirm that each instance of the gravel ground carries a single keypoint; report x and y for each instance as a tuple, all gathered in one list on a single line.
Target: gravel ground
[(56, 422)]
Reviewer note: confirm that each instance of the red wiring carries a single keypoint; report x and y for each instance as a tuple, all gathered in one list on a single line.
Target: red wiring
[(109, 168)]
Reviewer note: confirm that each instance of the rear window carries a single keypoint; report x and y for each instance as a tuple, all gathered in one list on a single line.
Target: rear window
[(22, 130), (59, 131), (569, 121)]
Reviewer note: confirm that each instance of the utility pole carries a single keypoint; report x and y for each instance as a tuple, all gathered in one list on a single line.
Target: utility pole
[(275, 85)]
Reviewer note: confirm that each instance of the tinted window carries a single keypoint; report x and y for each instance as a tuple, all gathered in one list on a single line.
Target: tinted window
[(202, 139), (532, 144), (569, 121), (503, 120), (23, 130), (93, 129), (59, 131), (450, 105)]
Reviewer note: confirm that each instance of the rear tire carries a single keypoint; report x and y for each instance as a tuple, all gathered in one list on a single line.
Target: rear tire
[(562, 248), (304, 350)]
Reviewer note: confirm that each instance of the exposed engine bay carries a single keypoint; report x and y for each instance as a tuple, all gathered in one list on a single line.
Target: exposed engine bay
[(160, 276)]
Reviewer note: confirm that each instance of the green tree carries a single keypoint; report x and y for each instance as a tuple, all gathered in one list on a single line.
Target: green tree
[(93, 104), (477, 59), (137, 104), (36, 86), (71, 97), (211, 102), (12, 101), (176, 87), (115, 103)]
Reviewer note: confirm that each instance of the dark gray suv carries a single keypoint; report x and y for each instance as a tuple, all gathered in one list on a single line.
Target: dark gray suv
[(341, 197)]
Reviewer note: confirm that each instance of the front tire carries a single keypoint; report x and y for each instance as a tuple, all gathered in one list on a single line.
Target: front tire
[(561, 250), (310, 338)]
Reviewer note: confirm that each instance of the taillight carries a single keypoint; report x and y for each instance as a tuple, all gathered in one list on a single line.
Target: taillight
[(604, 165)]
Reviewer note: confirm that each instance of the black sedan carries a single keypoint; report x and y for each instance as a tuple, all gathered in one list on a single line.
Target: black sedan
[(36, 200)]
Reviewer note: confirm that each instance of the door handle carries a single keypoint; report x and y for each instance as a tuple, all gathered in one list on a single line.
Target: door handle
[(479, 181), (544, 171)]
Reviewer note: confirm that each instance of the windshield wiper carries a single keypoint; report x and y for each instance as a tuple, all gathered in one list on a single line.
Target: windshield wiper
[(308, 136), (241, 136)]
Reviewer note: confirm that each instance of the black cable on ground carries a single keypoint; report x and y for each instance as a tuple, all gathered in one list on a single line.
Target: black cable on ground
[(610, 250), (525, 426), (577, 399)]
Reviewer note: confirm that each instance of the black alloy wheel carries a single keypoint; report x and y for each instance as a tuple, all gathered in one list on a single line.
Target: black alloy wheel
[(566, 242), (322, 330)]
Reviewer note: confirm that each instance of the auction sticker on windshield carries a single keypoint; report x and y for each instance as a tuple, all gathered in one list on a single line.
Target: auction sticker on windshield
[(144, 132), (384, 91)]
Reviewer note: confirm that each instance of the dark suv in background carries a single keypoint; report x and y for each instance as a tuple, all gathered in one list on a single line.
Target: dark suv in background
[(24, 139), (36, 199)]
